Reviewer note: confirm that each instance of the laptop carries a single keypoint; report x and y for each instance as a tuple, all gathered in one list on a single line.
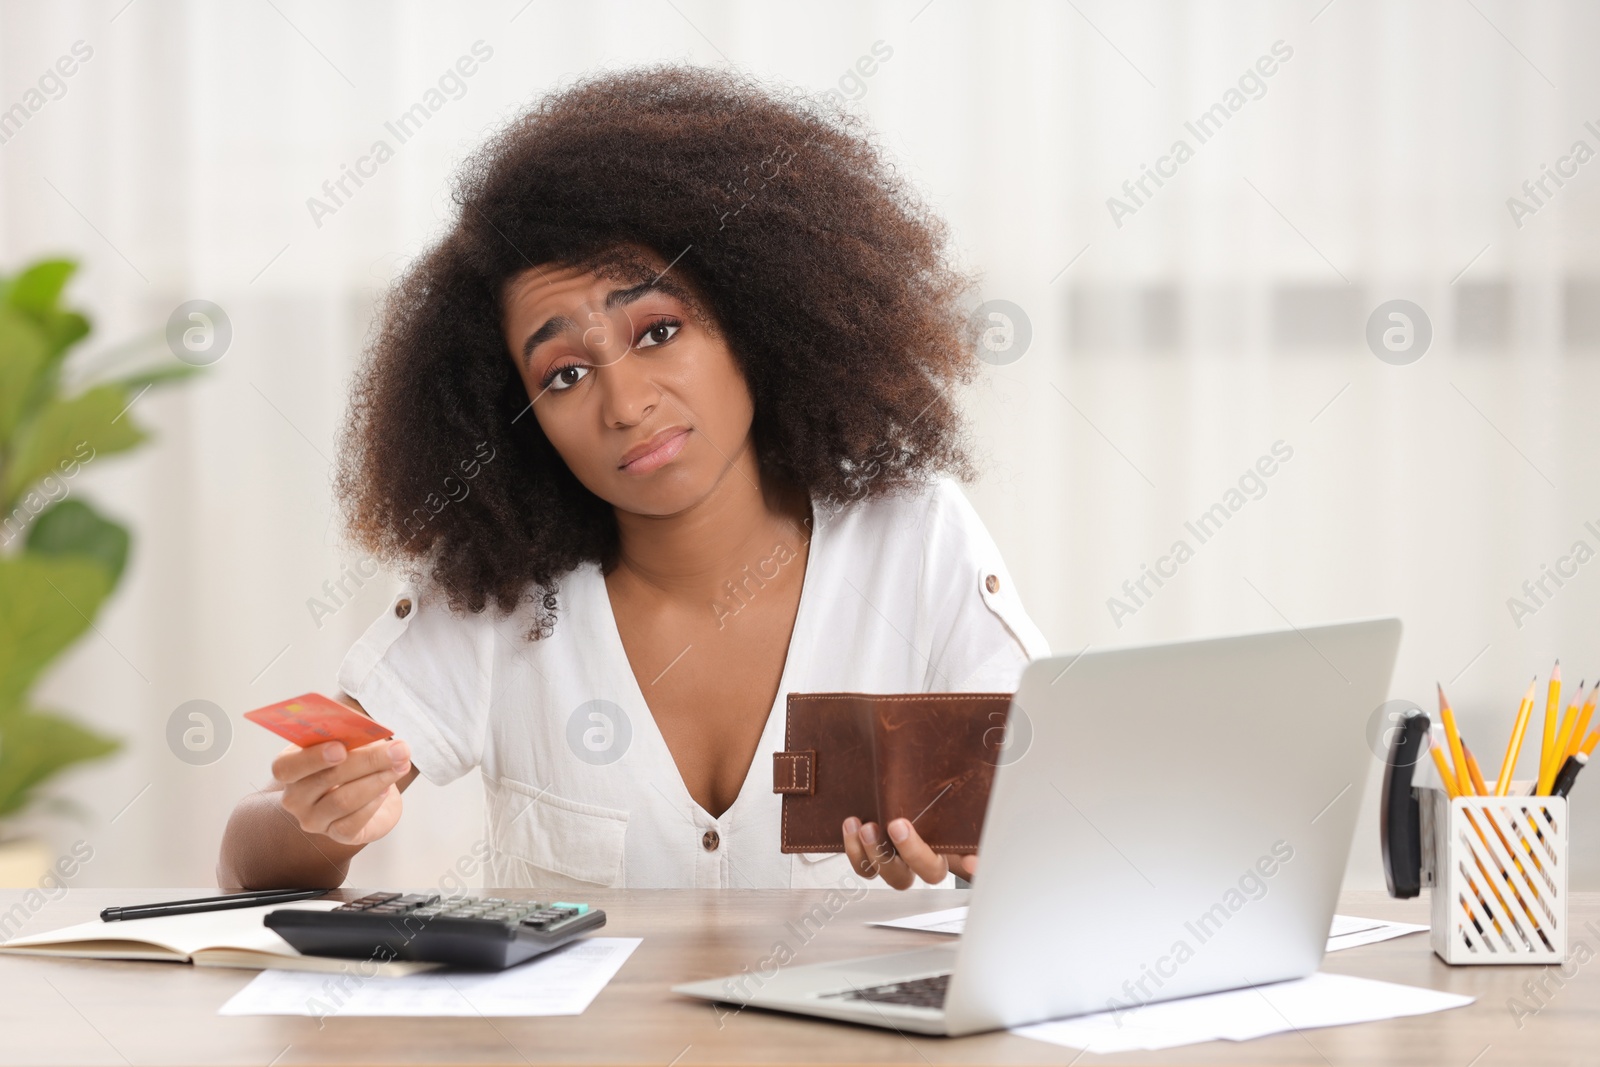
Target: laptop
[(1177, 824)]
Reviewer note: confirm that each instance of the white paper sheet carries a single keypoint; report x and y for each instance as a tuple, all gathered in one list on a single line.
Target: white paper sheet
[(1304, 1004), (948, 921), (1347, 931), (563, 982)]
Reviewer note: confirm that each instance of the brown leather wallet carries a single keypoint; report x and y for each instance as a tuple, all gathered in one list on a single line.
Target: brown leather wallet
[(927, 757)]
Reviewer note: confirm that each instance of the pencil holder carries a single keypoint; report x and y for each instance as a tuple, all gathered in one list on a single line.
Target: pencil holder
[(1498, 869)]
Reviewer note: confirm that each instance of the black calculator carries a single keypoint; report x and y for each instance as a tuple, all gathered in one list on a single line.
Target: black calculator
[(479, 933)]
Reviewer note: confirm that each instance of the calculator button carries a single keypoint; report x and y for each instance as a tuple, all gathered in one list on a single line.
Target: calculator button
[(485, 932)]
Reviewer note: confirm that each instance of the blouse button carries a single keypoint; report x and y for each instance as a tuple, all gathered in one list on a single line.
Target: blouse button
[(992, 583), (710, 840), (402, 608)]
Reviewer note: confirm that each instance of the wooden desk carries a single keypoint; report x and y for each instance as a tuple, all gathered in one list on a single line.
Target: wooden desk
[(125, 1012)]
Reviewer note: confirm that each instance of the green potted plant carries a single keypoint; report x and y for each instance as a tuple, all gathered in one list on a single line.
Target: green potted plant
[(60, 559)]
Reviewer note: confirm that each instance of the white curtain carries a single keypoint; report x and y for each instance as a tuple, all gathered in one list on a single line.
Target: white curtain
[(1176, 336)]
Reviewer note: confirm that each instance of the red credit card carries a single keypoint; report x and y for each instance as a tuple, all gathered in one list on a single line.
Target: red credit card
[(312, 719)]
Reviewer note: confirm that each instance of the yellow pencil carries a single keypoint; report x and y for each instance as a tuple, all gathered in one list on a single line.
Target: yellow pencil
[(1473, 771), (1552, 712), (1582, 730), (1502, 784), (1445, 777), (1569, 725), (1453, 736), (1587, 747)]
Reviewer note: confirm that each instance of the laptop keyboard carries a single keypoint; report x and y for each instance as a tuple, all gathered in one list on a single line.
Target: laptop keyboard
[(916, 993)]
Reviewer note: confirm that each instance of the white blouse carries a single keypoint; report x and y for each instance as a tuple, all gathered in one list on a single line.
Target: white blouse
[(901, 594)]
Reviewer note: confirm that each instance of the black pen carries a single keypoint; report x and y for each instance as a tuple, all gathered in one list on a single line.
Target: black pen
[(1568, 774), (231, 900)]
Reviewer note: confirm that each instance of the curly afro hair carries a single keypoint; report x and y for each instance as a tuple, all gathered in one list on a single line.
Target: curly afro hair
[(825, 274)]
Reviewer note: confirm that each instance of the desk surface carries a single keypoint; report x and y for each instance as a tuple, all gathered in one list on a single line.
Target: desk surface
[(127, 1012)]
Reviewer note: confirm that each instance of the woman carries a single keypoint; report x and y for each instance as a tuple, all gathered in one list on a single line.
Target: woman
[(663, 428)]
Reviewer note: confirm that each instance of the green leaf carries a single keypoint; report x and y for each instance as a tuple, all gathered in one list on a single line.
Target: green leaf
[(38, 288), (63, 328), (67, 433), (24, 352), (73, 528), (36, 294), (35, 746), (46, 603)]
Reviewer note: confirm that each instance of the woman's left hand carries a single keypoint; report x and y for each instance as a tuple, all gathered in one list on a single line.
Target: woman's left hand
[(899, 857)]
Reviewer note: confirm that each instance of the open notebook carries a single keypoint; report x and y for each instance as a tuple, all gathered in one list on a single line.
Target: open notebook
[(234, 937)]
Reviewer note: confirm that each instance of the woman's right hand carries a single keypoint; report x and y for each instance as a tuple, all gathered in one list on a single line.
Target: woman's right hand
[(351, 796)]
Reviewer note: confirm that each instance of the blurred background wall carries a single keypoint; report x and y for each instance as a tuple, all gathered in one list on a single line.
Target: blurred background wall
[(1154, 349)]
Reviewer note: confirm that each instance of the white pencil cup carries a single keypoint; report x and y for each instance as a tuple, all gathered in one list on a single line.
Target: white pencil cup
[(1498, 869)]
